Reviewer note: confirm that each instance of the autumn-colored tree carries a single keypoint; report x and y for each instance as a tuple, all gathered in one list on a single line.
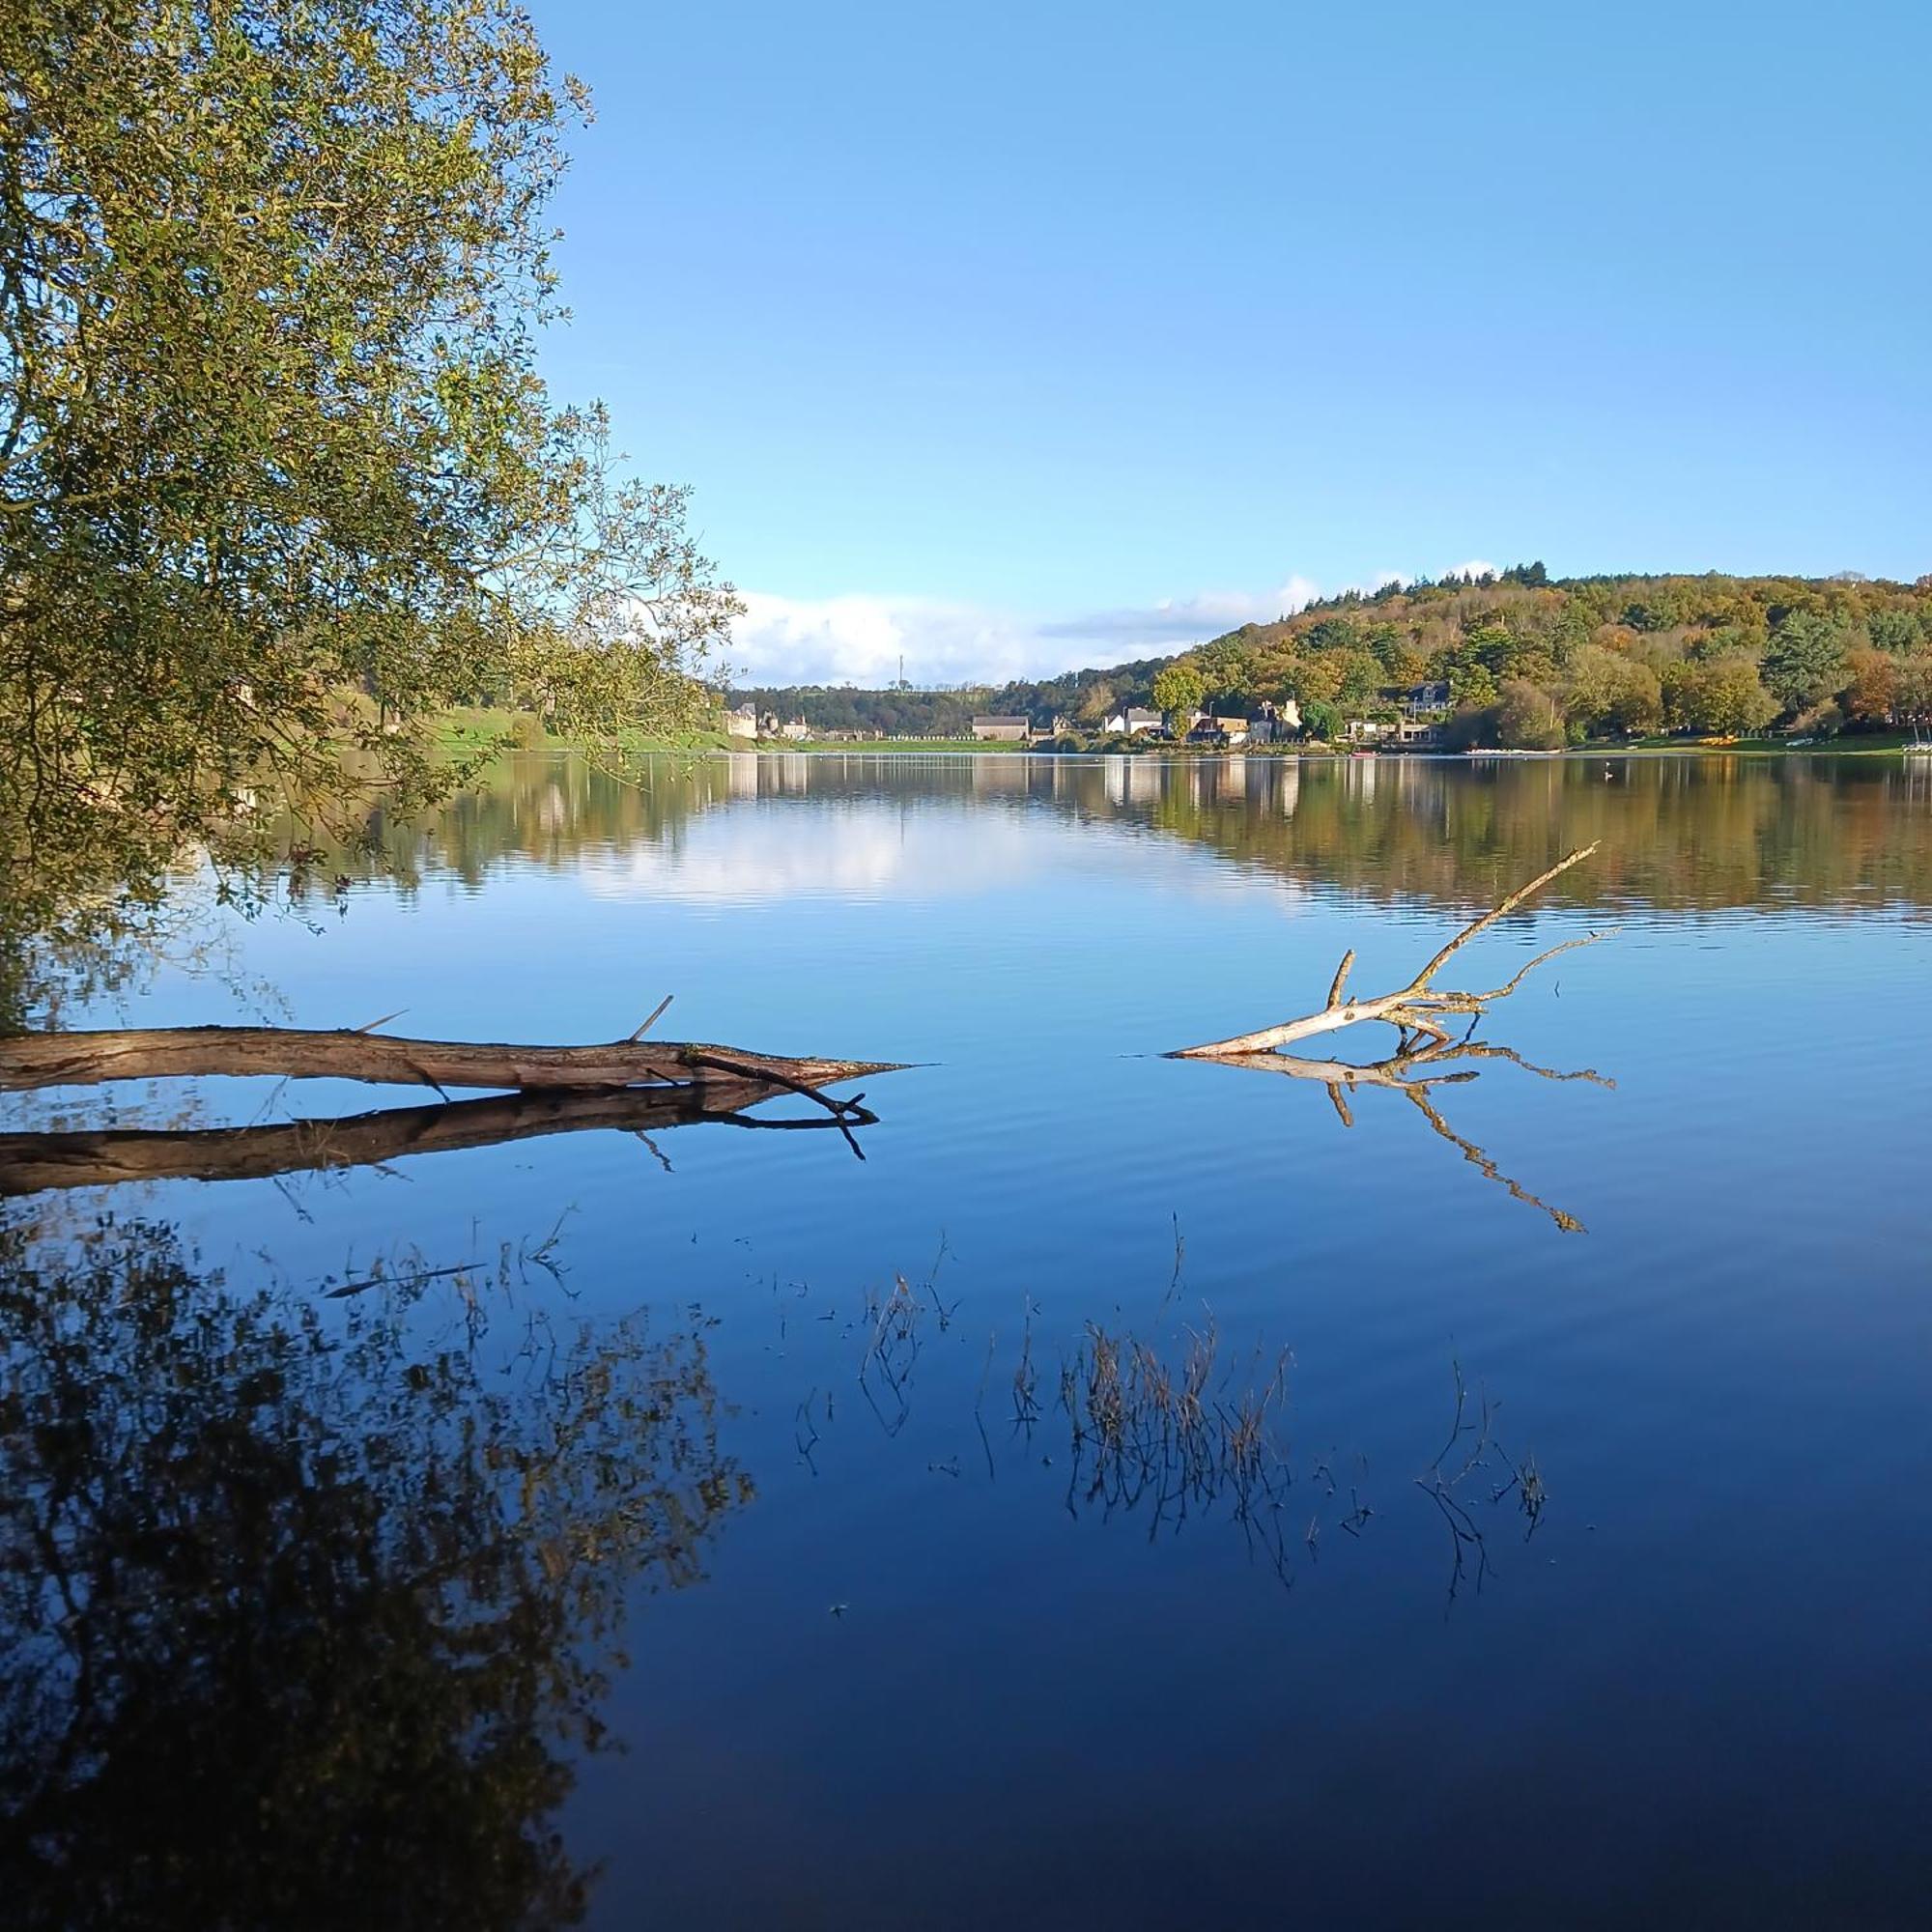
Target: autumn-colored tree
[(1913, 690), (1226, 668), (1095, 703), (1606, 692), (1318, 679), (1406, 666), (1872, 691), (1177, 690), (1725, 697)]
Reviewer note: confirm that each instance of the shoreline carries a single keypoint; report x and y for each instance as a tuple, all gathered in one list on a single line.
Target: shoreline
[(467, 733)]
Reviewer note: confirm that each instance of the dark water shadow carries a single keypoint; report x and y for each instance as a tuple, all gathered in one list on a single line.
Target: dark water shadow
[(307, 1608)]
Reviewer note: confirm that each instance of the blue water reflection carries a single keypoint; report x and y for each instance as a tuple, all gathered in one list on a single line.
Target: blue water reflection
[(933, 1673)]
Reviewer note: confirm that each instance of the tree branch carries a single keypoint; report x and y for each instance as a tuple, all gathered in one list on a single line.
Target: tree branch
[(1416, 1007)]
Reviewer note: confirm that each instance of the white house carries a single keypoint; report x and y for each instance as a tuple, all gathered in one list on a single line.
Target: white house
[(742, 721), (1131, 722)]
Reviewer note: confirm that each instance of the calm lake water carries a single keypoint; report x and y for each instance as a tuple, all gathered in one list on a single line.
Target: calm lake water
[(1064, 1514)]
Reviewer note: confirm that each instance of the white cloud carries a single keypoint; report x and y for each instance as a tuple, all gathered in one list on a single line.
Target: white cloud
[(1187, 620), (1475, 567), (862, 638)]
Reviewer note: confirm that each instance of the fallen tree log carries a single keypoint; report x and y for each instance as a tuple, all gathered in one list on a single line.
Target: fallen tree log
[(33, 1162), (1418, 1008), (157, 1053)]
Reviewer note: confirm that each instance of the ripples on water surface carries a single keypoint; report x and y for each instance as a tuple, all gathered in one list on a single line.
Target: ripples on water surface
[(680, 1553)]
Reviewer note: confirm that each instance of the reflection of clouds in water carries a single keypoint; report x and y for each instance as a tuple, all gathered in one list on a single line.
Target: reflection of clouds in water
[(734, 856), (729, 857)]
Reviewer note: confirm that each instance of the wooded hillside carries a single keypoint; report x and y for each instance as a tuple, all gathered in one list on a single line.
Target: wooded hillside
[(1528, 660)]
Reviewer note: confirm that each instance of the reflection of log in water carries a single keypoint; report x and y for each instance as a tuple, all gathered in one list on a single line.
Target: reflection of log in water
[(30, 1162)]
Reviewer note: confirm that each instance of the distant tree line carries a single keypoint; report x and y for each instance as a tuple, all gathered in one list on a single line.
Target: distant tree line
[(1527, 660), (1084, 698)]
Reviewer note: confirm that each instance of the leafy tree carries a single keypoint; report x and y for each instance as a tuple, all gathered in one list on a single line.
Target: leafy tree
[(1177, 690), (1724, 640), (1472, 686), (1569, 632), (1872, 694), (1527, 718), (1723, 697), (1334, 634), (1406, 666), (1227, 667), (1501, 652), (1320, 719), (1360, 679), (1095, 703), (1804, 660), (1656, 612), (1606, 692), (1913, 690), (1898, 632), (1318, 679), (278, 477)]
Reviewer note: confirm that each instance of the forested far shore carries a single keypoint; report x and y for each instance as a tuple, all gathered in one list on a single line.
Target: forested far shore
[(1520, 658)]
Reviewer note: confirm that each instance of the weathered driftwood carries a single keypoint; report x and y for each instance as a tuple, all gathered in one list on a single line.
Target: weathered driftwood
[(1418, 1008), (32, 1162), (84, 1059), (1416, 1069)]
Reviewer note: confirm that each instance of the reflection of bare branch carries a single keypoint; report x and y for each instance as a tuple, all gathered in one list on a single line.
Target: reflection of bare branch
[(1471, 1152), (1417, 1006), (1451, 1497), (1413, 1072), (29, 1162), (1173, 1438), (892, 1350)]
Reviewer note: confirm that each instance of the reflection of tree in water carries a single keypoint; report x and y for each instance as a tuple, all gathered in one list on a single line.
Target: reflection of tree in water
[(1709, 833), (300, 1614)]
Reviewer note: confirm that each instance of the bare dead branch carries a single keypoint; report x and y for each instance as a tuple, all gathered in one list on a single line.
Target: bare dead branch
[(1417, 1008)]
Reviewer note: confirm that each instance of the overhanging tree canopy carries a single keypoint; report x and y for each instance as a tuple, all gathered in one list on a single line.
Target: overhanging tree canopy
[(279, 475)]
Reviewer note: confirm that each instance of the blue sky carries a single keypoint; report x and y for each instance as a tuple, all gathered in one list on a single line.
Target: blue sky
[(1015, 338)]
